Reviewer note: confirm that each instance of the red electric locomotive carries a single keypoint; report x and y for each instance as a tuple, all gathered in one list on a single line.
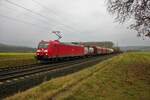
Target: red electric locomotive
[(55, 49)]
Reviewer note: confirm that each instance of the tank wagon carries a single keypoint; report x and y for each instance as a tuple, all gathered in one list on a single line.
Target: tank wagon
[(50, 50)]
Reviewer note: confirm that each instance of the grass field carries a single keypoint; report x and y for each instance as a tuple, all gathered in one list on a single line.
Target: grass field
[(123, 77), (16, 59)]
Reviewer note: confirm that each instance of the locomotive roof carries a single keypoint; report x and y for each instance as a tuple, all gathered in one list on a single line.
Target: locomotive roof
[(70, 43), (56, 41)]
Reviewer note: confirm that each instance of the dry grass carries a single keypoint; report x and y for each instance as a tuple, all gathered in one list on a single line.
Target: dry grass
[(124, 77), (16, 59)]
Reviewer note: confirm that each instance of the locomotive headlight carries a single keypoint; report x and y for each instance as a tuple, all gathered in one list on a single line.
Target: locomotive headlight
[(45, 50), (38, 50)]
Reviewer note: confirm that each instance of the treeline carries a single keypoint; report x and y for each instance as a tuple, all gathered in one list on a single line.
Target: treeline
[(11, 48)]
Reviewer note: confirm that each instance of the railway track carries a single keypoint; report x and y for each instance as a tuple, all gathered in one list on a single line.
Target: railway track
[(3, 69), (11, 74), (6, 69), (12, 81)]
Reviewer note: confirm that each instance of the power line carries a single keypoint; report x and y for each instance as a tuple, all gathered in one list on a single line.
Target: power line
[(35, 25), (30, 16), (25, 22), (27, 9), (44, 7), (50, 10), (34, 12)]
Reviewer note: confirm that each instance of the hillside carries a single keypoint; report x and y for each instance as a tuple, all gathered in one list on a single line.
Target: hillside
[(123, 77), (12, 48), (143, 48)]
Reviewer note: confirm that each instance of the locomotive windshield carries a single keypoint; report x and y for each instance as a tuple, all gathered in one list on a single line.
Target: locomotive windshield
[(43, 45)]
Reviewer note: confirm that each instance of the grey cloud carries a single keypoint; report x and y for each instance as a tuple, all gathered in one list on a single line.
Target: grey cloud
[(88, 19)]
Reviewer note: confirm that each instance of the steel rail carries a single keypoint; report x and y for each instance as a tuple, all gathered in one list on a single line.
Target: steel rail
[(37, 69)]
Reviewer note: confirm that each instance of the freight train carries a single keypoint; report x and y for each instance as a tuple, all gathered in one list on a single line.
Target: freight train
[(51, 50)]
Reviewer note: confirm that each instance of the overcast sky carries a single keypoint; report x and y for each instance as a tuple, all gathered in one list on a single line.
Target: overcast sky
[(78, 20)]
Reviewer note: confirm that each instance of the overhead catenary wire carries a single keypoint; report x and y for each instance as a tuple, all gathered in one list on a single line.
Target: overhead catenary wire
[(39, 19), (43, 6), (29, 10), (24, 22), (45, 17), (48, 9)]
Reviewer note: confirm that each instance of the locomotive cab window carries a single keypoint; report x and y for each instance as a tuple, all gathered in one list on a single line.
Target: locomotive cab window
[(43, 45)]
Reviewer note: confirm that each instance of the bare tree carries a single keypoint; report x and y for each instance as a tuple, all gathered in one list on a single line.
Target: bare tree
[(137, 10)]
